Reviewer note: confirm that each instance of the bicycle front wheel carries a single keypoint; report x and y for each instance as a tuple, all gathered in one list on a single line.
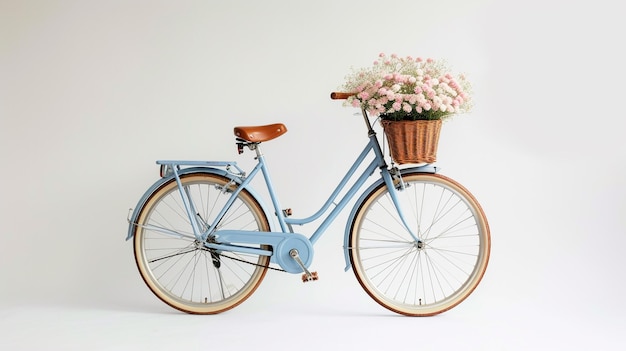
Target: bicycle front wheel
[(427, 278), (179, 269)]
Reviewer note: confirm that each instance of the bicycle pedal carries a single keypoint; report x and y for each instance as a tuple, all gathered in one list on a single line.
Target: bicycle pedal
[(309, 277)]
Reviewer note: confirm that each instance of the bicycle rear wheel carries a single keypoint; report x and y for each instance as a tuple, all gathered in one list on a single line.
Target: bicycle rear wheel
[(404, 276), (178, 269)]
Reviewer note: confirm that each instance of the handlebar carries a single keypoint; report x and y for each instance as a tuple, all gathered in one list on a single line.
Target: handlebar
[(337, 95)]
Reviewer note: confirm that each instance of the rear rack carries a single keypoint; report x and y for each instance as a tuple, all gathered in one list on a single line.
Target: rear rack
[(168, 166)]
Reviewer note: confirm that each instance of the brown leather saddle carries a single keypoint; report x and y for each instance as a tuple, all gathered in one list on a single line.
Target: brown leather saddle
[(257, 134)]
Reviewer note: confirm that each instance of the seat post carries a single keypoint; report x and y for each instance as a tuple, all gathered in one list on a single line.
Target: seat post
[(257, 149)]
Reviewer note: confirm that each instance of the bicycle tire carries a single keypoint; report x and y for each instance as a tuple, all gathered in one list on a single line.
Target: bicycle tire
[(180, 271), (404, 277)]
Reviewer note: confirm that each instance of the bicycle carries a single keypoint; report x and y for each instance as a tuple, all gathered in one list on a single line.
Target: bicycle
[(417, 241)]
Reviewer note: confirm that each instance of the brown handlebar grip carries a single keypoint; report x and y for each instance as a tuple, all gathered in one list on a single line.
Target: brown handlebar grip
[(337, 95)]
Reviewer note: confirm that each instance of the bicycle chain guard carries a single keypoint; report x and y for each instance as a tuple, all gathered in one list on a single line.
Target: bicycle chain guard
[(282, 244)]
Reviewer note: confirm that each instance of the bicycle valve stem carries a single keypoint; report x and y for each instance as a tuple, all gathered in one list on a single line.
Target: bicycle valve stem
[(307, 276)]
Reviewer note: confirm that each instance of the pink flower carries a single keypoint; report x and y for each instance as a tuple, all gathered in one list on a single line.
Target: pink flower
[(407, 108), (364, 95), (397, 106)]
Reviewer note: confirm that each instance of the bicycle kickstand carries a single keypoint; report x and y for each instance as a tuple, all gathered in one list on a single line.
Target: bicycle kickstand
[(307, 276)]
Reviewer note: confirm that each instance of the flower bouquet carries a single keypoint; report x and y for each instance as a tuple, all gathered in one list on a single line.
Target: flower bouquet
[(412, 96)]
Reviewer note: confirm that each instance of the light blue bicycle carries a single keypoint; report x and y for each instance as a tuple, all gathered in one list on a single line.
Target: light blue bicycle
[(418, 242)]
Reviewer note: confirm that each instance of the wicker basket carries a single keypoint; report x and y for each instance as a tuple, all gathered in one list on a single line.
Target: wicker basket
[(413, 141)]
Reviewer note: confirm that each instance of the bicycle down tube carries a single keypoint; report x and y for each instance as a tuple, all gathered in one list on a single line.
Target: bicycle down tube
[(377, 162)]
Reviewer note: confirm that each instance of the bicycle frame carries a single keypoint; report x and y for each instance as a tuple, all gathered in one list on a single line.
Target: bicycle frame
[(283, 241)]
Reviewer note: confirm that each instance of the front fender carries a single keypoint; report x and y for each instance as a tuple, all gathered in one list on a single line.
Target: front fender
[(346, 240), (159, 183)]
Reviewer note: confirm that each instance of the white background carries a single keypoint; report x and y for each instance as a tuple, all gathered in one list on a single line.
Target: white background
[(93, 92)]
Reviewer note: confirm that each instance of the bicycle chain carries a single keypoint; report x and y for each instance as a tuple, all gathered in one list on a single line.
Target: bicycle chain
[(248, 262), (254, 264)]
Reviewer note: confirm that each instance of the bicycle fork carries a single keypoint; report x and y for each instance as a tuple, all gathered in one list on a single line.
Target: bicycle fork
[(394, 183)]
